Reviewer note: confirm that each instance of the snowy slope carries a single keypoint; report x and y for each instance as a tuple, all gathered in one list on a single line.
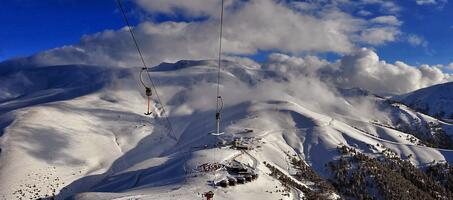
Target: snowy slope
[(436, 100), (79, 131)]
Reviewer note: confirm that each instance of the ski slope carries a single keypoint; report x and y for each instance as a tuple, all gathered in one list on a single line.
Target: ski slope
[(80, 132)]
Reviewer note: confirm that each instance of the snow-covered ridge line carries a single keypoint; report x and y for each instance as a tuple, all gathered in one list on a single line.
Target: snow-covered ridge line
[(85, 126)]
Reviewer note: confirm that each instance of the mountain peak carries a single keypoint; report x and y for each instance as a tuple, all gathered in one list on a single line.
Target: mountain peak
[(436, 100)]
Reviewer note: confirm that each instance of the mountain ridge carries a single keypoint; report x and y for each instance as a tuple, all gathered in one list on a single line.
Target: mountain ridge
[(434, 100), (97, 144)]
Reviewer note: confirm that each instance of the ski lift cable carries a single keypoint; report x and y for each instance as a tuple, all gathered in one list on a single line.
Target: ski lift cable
[(220, 55), (141, 78), (145, 68), (219, 99)]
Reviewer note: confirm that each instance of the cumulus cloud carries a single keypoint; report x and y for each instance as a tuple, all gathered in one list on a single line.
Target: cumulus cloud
[(361, 69), (292, 66), (269, 25), (164, 42), (313, 83), (249, 26), (364, 69), (262, 25)]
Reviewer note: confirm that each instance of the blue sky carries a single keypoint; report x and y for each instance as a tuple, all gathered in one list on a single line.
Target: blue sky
[(430, 22), (30, 26)]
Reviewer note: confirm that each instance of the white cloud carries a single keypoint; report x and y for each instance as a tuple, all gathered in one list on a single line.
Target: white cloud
[(425, 2), (361, 69), (248, 27), (388, 19), (431, 2), (292, 66), (364, 69), (364, 13), (437, 3), (385, 6), (379, 35), (164, 42), (263, 25), (416, 40), (450, 66), (266, 24)]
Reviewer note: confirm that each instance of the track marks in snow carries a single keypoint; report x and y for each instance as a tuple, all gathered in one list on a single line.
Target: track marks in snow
[(117, 144)]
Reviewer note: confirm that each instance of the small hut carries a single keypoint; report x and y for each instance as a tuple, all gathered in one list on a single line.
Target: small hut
[(248, 178), (232, 181), (240, 180), (223, 183)]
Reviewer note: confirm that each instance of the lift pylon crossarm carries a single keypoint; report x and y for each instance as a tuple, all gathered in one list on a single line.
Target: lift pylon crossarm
[(148, 91)]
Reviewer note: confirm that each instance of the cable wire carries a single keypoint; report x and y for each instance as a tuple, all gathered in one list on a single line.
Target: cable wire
[(220, 57), (120, 5), (219, 100), (218, 97), (145, 68)]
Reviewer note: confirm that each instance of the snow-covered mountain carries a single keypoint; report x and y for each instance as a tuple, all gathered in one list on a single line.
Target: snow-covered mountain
[(436, 100), (80, 132)]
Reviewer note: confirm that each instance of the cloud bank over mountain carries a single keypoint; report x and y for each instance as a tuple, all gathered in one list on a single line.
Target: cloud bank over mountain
[(363, 69), (294, 29)]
